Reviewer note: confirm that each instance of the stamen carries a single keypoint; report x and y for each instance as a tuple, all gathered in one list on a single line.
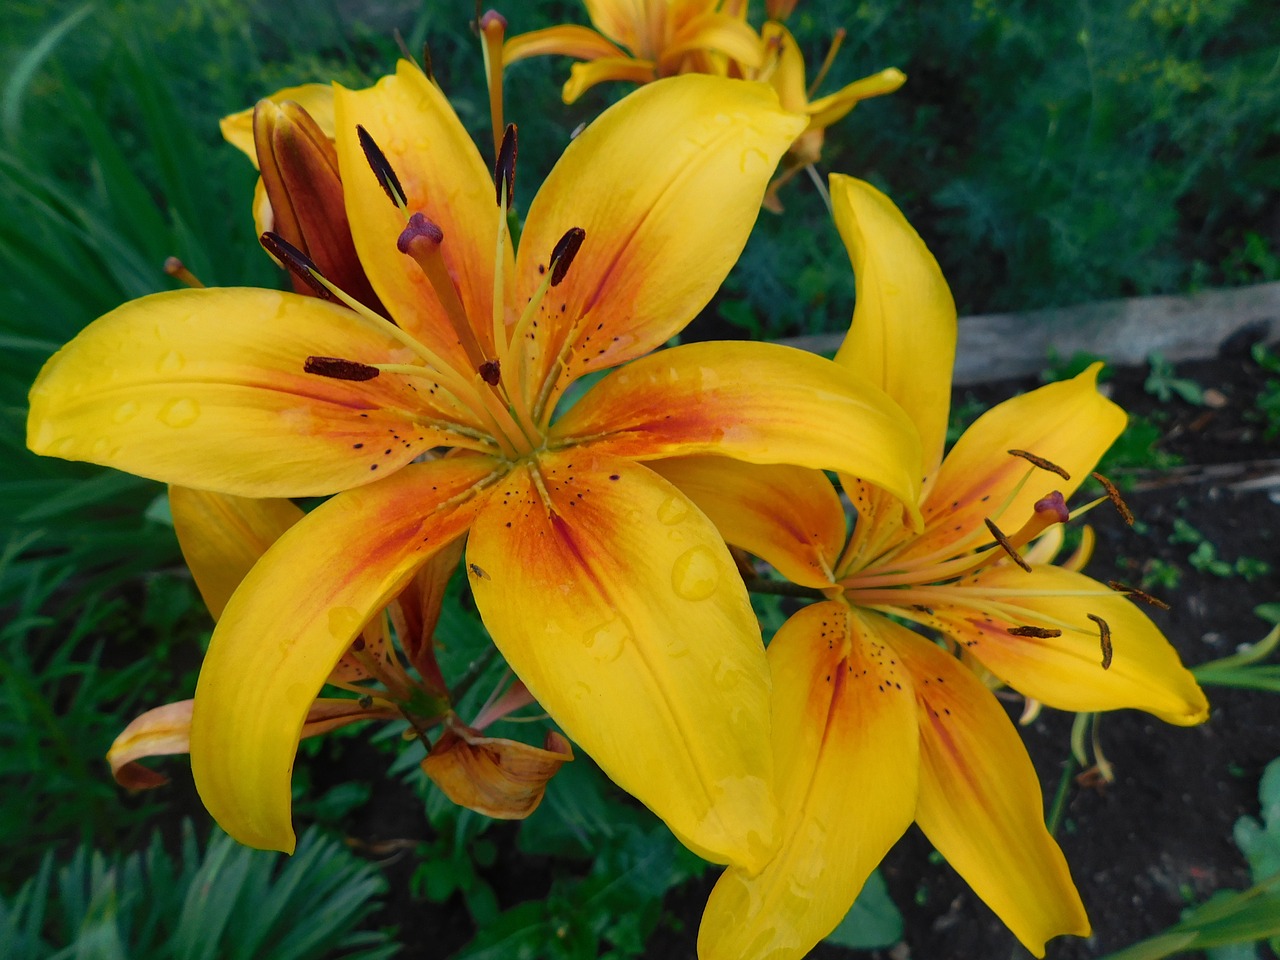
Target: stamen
[(382, 168), (836, 41), (1007, 545), (1114, 496), (178, 270), (1041, 462), (1038, 633), (336, 368), (491, 372), (504, 169), (492, 28), (1134, 592), (427, 67), (422, 239), (298, 263), (1104, 637), (565, 250)]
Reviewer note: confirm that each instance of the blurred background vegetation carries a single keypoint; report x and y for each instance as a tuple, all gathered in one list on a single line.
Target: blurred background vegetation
[(1048, 153)]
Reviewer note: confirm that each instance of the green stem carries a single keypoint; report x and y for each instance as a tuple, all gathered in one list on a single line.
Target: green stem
[(1059, 805), (783, 588)]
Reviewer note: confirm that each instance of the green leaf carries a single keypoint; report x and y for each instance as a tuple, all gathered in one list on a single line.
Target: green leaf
[(872, 922)]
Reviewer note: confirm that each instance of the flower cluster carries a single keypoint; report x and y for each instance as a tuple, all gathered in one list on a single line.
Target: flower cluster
[(416, 378)]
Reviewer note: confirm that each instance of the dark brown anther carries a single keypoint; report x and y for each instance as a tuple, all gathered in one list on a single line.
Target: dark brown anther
[(491, 372), (1038, 633), (419, 228), (1104, 637), (381, 167), (1137, 594), (297, 263), (566, 249), (1114, 496), (1007, 545), (337, 369), (504, 171), (1041, 462)]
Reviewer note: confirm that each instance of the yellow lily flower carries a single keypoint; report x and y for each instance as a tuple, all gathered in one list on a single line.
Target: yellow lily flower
[(704, 36), (783, 69), (610, 595), (222, 537), (642, 40), (874, 725)]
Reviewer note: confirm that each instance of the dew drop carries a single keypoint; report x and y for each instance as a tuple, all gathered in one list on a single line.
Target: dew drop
[(182, 412), (673, 510), (607, 640), (754, 160), (727, 676), (343, 622), (695, 574), (125, 412), (171, 362)]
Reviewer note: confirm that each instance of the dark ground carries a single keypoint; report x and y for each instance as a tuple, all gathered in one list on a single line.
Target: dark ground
[(1140, 848)]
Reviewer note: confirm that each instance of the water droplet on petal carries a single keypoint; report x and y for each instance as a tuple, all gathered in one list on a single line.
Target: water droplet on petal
[(171, 362), (695, 574), (344, 622), (182, 412), (607, 640), (727, 676), (125, 412), (754, 160), (673, 510)]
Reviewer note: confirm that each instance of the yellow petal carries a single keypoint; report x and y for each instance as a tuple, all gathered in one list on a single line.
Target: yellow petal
[(785, 69), (166, 730), (569, 40), (206, 388), (162, 731), (845, 744), (825, 111), (622, 21), (1066, 672), (1069, 423), (617, 604), (716, 32), (315, 98), (445, 179), (903, 335), (788, 516), (758, 402), (222, 537), (289, 623), (584, 76), (980, 802), (503, 779), (667, 184)]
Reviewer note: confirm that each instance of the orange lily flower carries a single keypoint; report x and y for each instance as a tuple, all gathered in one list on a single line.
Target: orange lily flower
[(610, 595), (663, 37), (874, 725), (222, 537)]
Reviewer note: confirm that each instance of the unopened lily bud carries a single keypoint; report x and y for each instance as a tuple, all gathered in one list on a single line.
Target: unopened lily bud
[(303, 196), (500, 778)]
